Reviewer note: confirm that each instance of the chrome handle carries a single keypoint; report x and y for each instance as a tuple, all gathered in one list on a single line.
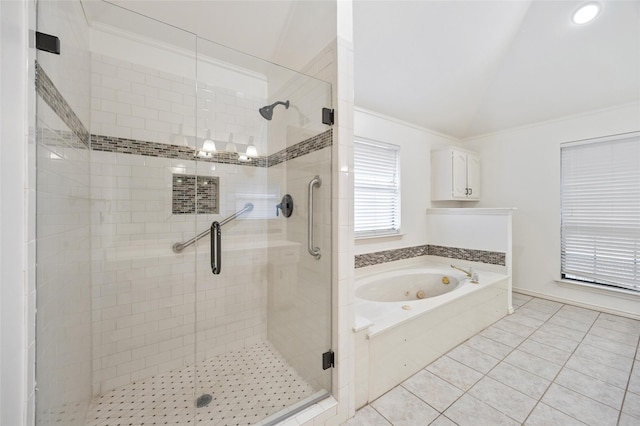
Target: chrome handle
[(313, 251), (216, 249), (178, 247)]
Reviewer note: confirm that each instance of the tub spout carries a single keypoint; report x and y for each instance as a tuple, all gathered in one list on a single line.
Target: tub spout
[(469, 273)]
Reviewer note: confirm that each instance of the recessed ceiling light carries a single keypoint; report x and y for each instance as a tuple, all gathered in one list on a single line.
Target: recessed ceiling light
[(586, 13)]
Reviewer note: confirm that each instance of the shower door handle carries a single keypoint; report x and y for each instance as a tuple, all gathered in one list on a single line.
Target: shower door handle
[(216, 249), (313, 251)]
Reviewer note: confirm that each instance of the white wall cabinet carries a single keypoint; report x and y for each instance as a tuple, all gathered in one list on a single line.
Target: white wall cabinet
[(455, 175)]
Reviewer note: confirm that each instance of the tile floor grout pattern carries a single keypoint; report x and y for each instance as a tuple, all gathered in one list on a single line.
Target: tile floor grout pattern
[(546, 364), (247, 385)]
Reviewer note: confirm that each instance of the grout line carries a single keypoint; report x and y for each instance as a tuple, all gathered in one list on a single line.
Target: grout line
[(464, 392), (520, 344), (553, 381), (513, 350), (626, 389), (218, 376)]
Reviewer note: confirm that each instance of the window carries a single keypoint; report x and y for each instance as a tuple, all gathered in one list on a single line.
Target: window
[(376, 188), (600, 231)]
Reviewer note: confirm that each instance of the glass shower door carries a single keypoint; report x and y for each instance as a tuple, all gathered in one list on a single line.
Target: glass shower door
[(115, 322), (145, 138), (263, 319)]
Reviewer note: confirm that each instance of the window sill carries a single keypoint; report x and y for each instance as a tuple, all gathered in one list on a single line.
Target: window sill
[(594, 288), (371, 238)]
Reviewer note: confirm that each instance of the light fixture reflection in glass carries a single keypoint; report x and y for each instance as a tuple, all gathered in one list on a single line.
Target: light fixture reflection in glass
[(586, 13), (231, 147), (180, 138), (251, 149), (208, 145)]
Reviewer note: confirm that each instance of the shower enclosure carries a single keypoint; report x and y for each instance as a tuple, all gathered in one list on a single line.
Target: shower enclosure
[(148, 136)]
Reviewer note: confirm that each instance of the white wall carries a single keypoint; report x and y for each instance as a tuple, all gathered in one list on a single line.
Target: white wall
[(416, 145), (343, 294), (14, 390), (150, 305), (521, 168), (145, 90)]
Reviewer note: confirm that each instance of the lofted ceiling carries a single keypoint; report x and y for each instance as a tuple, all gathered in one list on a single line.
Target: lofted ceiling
[(465, 68), (287, 32), (461, 68)]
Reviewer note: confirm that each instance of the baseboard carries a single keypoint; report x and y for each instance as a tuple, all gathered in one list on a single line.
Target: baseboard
[(579, 304)]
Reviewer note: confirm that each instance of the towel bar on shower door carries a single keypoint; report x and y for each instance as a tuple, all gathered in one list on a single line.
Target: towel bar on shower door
[(216, 239)]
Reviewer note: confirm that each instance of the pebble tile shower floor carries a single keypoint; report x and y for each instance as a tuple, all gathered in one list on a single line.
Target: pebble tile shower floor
[(246, 385), (548, 364)]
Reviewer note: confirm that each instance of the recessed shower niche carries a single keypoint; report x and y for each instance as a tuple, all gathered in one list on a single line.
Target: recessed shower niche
[(121, 316), (194, 194)]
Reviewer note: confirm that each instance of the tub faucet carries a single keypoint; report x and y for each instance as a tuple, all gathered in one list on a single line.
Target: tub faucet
[(469, 273)]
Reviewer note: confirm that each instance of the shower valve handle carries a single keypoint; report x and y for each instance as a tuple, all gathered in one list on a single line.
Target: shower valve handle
[(286, 205)]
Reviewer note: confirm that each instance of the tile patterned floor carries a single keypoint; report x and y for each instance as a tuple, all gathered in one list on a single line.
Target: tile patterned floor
[(246, 385), (547, 364)]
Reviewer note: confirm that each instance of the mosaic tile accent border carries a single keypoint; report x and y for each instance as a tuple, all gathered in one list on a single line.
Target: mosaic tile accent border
[(490, 257), (315, 143), (189, 190), (58, 138), (376, 258), (154, 149), (50, 94)]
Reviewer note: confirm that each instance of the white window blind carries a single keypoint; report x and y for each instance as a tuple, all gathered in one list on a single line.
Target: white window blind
[(376, 188), (600, 235)]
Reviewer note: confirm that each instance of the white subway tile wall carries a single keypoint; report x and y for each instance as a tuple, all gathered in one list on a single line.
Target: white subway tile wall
[(299, 302), (60, 187), (137, 102), (109, 226), (63, 270), (145, 301), (155, 311)]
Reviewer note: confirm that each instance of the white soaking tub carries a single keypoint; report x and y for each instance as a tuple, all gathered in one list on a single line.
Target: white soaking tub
[(409, 315)]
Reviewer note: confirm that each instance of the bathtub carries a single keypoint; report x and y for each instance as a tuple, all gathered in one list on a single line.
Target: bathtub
[(409, 315), (408, 284)]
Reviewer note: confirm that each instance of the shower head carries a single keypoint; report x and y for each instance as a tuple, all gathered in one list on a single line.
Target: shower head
[(267, 111)]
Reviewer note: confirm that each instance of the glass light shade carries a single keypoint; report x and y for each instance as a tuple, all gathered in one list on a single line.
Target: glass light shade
[(586, 13), (208, 146), (252, 151)]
